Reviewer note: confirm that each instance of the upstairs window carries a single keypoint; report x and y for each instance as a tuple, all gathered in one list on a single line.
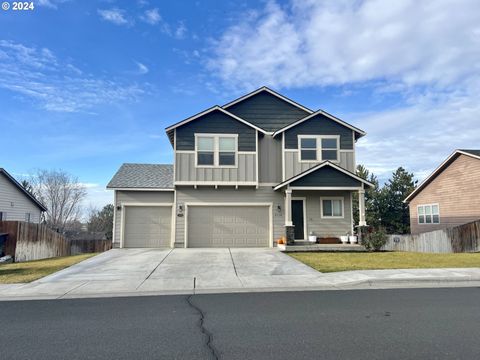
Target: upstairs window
[(216, 150), (318, 148), (428, 214)]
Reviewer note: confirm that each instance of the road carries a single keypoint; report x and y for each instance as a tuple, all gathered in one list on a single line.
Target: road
[(359, 324)]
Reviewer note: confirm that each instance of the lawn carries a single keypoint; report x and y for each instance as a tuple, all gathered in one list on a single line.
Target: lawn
[(28, 271), (330, 262)]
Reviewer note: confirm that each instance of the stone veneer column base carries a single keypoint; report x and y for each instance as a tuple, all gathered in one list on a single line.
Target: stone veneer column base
[(290, 234)]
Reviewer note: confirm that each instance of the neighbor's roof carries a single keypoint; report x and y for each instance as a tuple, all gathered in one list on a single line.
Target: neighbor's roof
[(143, 176), (472, 153), (22, 189)]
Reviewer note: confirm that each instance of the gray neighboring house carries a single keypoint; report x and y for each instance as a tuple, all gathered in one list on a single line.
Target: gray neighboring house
[(244, 175), (16, 203)]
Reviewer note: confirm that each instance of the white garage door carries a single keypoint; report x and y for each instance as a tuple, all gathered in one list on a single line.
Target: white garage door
[(228, 226), (147, 226)]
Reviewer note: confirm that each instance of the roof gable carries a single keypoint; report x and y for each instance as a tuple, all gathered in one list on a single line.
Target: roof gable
[(453, 156), (267, 109), (15, 183)]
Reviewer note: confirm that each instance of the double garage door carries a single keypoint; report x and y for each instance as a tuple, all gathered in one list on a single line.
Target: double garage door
[(228, 226), (207, 226)]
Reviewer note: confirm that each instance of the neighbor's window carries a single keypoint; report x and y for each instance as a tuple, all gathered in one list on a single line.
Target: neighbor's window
[(428, 214), (318, 148), (216, 150), (3, 216), (28, 217), (332, 207)]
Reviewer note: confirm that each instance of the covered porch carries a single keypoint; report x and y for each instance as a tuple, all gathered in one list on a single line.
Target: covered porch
[(319, 209)]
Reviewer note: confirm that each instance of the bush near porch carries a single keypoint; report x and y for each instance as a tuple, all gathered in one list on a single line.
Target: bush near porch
[(331, 262)]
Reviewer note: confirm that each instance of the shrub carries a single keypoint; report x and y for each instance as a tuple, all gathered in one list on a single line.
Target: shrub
[(373, 241)]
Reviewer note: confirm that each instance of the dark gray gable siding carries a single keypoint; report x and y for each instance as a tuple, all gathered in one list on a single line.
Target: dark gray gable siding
[(267, 111), (319, 125), (215, 122), (327, 176)]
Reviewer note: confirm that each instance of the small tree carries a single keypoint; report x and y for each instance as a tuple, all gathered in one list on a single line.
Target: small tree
[(102, 221), (62, 194), (375, 240)]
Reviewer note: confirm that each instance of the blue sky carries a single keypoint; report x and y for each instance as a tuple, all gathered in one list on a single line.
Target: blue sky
[(88, 85)]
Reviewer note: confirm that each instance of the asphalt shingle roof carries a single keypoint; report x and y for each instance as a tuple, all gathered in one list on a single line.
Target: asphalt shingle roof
[(473, 152), (155, 176)]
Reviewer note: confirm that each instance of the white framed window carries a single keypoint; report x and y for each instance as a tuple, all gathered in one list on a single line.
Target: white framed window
[(428, 214), (3, 216), (28, 217), (316, 148), (216, 150), (332, 207)]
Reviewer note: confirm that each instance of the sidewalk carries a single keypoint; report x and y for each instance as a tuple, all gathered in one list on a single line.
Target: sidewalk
[(348, 280)]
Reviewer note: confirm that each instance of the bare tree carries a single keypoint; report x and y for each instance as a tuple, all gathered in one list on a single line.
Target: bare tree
[(62, 194)]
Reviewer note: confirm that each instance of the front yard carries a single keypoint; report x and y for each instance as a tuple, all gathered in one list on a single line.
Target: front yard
[(32, 270), (331, 262)]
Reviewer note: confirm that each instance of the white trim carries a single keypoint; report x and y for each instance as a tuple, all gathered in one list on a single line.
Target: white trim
[(283, 157), (352, 225), (174, 155), (256, 157), (319, 166), (185, 151), (431, 214), (435, 172), (341, 198), (246, 152), (270, 213), (114, 215), (216, 107), (174, 220), (216, 150), (125, 204), (318, 149), (331, 117), (217, 183), (291, 150), (140, 189), (304, 200), (264, 88), (324, 188)]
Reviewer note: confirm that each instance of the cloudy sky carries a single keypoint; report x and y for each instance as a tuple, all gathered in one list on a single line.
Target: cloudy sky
[(86, 86)]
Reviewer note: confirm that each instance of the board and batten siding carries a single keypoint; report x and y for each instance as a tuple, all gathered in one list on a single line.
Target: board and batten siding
[(320, 125), (262, 195), (215, 122), (185, 170), (456, 190), (324, 227), (294, 167), (16, 204), (123, 197), (269, 159)]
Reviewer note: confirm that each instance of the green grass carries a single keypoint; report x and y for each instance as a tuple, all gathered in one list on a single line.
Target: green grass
[(330, 262), (28, 271)]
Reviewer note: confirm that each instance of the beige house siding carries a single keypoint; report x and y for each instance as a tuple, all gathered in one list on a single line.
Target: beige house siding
[(16, 204), (457, 192)]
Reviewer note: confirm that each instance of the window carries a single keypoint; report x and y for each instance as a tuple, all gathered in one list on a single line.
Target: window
[(428, 214), (216, 150), (318, 148), (3, 216), (28, 217), (331, 207)]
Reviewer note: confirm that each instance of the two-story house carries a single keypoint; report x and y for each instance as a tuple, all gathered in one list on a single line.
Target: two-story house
[(244, 175)]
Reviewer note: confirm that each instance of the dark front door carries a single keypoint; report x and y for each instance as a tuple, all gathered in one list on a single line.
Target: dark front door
[(297, 219)]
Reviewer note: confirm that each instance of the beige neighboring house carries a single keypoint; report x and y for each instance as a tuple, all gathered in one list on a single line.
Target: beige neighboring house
[(16, 203), (450, 196)]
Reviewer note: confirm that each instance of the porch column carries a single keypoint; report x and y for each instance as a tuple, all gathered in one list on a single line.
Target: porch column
[(289, 228), (361, 207)]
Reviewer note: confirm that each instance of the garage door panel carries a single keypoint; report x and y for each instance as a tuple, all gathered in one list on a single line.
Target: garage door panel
[(147, 226), (228, 226)]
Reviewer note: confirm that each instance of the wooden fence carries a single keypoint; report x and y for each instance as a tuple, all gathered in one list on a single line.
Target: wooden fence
[(463, 238), (27, 241)]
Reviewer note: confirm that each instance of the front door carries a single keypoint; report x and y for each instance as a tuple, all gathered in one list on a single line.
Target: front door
[(298, 219)]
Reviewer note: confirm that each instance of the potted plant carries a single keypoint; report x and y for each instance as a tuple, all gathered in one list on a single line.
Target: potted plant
[(353, 239), (281, 243), (344, 238), (312, 237)]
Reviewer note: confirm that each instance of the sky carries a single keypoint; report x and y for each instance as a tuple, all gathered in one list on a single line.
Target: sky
[(88, 85)]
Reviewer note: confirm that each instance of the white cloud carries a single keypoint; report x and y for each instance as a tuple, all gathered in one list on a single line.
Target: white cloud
[(115, 16), (152, 16), (424, 53), (142, 69), (36, 74), (52, 4), (181, 31)]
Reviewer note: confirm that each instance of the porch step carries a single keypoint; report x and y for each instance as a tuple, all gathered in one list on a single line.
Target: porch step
[(306, 246)]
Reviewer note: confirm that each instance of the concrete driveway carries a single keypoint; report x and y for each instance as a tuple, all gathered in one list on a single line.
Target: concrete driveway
[(151, 271)]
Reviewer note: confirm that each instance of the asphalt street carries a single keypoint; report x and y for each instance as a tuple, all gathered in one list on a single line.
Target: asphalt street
[(357, 324)]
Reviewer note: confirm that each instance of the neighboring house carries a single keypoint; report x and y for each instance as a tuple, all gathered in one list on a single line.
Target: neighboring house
[(16, 203), (244, 175), (450, 196)]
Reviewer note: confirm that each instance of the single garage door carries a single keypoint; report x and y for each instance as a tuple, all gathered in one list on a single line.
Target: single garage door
[(228, 226), (147, 226)]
